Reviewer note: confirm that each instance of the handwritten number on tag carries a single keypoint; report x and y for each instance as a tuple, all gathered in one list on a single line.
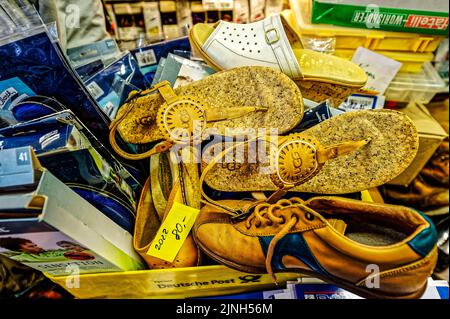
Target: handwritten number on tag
[(179, 229), (161, 239), (173, 232)]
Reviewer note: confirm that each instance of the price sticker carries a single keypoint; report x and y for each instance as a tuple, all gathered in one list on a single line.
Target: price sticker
[(173, 232), (218, 4)]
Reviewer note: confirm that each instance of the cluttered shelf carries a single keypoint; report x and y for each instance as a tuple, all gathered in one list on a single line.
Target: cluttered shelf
[(302, 146)]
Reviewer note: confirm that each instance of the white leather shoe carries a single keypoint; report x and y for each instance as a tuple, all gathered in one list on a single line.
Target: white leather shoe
[(273, 43)]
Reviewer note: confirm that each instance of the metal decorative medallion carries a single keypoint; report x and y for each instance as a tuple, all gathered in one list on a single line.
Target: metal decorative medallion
[(183, 120), (296, 162)]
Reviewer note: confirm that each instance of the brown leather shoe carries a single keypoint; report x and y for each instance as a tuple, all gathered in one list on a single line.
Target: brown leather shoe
[(374, 250), (437, 170), (419, 194)]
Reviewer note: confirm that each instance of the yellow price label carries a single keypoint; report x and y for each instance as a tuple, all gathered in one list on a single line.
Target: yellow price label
[(173, 232)]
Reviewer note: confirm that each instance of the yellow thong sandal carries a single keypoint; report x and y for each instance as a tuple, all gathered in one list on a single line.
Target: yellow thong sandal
[(170, 181), (347, 153), (273, 43), (244, 98)]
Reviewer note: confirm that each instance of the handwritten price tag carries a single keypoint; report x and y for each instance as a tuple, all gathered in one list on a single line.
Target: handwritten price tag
[(173, 232)]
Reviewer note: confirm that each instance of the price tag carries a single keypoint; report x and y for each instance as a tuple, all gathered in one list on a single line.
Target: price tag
[(16, 167), (363, 102), (173, 232)]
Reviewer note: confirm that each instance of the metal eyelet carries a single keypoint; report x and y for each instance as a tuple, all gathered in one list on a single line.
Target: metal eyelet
[(309, 216), (296, 214)]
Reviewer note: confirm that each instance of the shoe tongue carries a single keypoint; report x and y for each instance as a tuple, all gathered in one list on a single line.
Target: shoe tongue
[(338, 224)]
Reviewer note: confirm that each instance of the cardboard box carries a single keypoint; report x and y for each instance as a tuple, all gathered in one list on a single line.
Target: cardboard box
[(130, 20), (37, 218), (73, 155), (152, 18), (431, 134)]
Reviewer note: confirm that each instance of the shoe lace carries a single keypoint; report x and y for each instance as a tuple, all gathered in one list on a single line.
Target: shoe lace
[(270, 214)]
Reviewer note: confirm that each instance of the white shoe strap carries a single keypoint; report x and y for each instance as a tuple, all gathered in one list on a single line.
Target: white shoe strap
[(277, 39)]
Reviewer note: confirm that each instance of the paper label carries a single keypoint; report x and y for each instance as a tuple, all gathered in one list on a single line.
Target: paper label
[(380, 69), (218, 4), (363, 102), (173, 232), (16, 167), (13, 90), (145, 58), (95, 90)]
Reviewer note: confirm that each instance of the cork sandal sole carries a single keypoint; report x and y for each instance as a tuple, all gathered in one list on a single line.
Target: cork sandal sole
[(260, 87), (319, 91), (392, 147)]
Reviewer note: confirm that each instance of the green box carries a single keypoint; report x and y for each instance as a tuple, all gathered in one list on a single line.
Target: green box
[(387, 15)]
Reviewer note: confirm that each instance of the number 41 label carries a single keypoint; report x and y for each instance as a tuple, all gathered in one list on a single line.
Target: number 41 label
[(16, 167), (173, 232)]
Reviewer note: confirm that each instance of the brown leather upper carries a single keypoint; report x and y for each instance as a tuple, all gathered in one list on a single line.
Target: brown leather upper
[(236, 242)]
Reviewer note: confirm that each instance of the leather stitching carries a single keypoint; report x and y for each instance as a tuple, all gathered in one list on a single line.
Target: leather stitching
[(399, 270)]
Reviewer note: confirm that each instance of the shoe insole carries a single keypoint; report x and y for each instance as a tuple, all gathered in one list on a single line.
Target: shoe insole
[(374, 235), (393, 146), (277, 97), (313, 65)]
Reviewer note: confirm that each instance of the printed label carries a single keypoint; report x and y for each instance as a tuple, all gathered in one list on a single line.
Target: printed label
[(377, 18), (218, 4), (173, 232), (16, 167), (145, 58), (23, 157), (48, 138), (6, 96), (427, 22), (12, 90), (95, 90), (363, 102)]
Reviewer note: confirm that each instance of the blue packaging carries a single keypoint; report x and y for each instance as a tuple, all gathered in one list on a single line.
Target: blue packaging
[(111, 86), (71, 153), (316, 115), (148, 57), (104, 50), (41, 66), (88, 70)]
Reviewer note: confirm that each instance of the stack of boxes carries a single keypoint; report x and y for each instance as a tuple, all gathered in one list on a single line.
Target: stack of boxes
[(352, 24)]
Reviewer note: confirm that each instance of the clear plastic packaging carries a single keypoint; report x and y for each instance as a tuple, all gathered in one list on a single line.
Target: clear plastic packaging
[(351, 38), (17, 17), (420, 87)]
